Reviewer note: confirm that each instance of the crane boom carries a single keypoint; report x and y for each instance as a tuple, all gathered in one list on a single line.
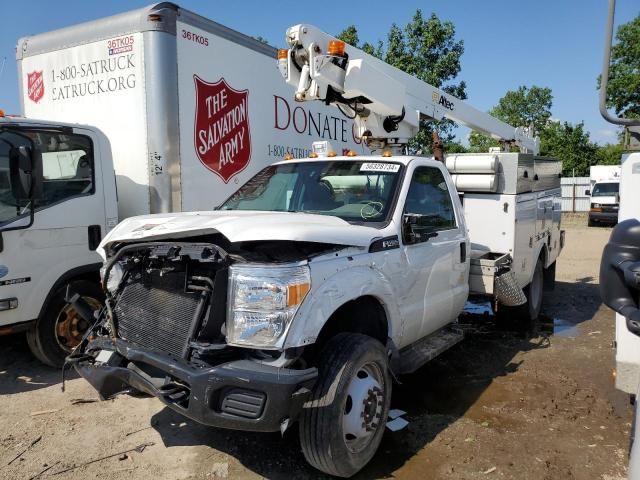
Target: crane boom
[(386, 103)]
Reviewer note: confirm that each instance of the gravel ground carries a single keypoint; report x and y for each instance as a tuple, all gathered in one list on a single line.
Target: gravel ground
[(498, 405)]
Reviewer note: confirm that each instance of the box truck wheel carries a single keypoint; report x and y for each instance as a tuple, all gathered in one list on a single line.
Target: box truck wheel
[(342, 425), (60, 328)]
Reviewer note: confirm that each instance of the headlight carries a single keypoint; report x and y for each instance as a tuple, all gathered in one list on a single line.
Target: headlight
[(262, 301), (595, 205), (115, 277)]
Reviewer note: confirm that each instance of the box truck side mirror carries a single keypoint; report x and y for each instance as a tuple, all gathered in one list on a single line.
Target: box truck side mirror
[(21, 173), (587, 192)]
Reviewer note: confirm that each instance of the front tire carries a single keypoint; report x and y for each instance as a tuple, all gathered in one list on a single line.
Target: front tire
[(342, 425), (60, 328)]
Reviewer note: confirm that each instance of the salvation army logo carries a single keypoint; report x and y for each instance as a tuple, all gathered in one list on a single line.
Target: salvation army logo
[(35, 86), (221, 134)]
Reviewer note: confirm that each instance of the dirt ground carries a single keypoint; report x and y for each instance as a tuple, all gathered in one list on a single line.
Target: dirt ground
[(499, 405)]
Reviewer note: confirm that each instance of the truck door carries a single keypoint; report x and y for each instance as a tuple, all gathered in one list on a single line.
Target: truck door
[(435, 253), (68, 224)]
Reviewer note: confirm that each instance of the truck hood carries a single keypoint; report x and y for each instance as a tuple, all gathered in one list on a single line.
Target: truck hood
[(242, 226)]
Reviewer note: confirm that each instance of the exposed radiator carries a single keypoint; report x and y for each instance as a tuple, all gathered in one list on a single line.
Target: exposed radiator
[(156, 313)]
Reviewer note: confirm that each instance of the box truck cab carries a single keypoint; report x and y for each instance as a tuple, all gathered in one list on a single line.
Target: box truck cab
[(604, 193), (57, 200), (191, 110)]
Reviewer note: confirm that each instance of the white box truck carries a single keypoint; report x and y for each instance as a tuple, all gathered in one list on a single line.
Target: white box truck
[(605, 194), (191, 110)]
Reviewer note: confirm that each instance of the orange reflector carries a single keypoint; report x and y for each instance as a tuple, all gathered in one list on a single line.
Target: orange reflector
[(1, 113), (313, 155), (288, 156), (296, 293), (352, 153), (336, 47), (387, 153), (331, 154), (596, 210), (283, 53)]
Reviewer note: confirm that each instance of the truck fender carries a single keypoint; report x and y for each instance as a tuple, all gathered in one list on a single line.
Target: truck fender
[(74, 273), (336, 290)]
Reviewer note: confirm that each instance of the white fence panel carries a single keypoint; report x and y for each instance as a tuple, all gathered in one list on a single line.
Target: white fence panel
[(574, 198)]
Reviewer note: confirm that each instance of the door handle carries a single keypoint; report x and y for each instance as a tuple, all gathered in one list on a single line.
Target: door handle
[(463, 252), (94, 235)]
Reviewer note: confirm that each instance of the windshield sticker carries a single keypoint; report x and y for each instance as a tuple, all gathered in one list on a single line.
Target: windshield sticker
[(380, 167)]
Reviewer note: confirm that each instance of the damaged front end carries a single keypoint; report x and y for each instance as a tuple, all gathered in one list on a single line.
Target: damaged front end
[(164, 332)]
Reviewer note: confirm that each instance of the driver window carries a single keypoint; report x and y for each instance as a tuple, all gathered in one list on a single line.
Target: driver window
[(429, 198)]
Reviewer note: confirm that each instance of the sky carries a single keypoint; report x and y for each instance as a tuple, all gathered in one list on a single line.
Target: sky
[(550, 43)]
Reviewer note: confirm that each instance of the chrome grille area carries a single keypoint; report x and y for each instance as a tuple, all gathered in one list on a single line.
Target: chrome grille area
[(155, 312)]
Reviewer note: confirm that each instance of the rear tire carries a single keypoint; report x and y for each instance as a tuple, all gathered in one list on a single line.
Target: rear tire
[(525, 316), (342, 424), (590, 223), (60, 329)]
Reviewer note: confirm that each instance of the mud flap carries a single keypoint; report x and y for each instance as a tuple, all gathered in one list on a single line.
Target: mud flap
[(507, 290)]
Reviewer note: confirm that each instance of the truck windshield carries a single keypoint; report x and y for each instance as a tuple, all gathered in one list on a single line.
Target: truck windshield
[(356, 191), (605, 189)]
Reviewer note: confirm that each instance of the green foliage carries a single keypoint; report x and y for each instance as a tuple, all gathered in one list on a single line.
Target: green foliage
[(454, 147), (623, 92), (570, 144), (609, 154), (520, 108), (427, 49)]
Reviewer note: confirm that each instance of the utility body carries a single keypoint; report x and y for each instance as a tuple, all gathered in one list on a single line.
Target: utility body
[(321, 278), (178, 112)]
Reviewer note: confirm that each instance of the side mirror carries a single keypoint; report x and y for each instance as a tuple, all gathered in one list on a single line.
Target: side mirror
[(408, 222), (587, 192), (21, 174), (415, 228)]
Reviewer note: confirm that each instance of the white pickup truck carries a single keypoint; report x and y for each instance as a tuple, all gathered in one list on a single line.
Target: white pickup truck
[(305, 292), (321, 279)]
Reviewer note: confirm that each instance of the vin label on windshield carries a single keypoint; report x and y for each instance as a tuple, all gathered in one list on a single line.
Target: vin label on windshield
[(380, 167)]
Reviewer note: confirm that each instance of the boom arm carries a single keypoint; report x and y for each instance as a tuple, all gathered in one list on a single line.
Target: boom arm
[(387, 104)]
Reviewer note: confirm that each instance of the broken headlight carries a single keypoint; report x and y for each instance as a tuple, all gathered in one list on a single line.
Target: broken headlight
[(262, 302), (115, 277)]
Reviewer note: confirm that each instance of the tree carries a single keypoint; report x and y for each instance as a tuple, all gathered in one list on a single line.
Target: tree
[(623, 92), (609, 154), (570, 144), (428, 50), (520, 108)]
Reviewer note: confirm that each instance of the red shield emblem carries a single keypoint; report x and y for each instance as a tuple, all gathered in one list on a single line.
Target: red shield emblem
[(35, 86), (222, 139)]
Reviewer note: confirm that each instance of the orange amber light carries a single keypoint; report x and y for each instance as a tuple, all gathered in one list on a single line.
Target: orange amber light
[(336, 47)]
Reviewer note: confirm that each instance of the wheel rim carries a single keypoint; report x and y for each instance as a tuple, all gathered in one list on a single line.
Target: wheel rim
[(71, 327), (363, 407)]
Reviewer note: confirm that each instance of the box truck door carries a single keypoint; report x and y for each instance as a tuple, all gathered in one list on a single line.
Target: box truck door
[(68, 223)]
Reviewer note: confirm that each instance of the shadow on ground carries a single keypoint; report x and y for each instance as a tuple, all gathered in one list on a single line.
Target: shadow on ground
[(20, 371)]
